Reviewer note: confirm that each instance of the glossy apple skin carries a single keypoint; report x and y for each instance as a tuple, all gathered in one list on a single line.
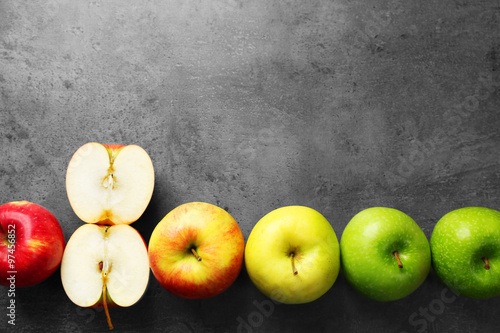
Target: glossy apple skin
[(459, 242), (311, 238), (367, 246), (215, 236), (39, 243)]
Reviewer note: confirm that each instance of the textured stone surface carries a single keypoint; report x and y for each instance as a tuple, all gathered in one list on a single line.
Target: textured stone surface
[(252, 105)]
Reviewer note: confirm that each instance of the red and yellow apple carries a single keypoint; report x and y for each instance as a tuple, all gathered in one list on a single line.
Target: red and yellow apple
[(31, 243), (105, 266), (109, 184), (196, 250)]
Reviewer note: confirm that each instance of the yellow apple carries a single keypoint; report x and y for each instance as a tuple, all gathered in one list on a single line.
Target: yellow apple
[(292, 255)]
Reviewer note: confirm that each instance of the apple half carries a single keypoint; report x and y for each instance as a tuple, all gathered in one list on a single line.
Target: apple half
[(105, 266), (109, 184)]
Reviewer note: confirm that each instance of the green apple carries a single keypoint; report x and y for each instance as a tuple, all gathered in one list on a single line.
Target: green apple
[(465, 246), (384, 253), (292, 255)]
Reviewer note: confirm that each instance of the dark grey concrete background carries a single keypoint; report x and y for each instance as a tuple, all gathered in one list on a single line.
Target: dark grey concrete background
[(252, 105)]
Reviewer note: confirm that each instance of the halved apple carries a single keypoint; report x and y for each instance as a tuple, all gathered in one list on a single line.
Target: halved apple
[(109, 184), (105, 266)]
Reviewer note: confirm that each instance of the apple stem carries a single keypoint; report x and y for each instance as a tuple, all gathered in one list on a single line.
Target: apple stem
[(400, 264), (486, 263), (196, 254), (104, 300), (294, 269)]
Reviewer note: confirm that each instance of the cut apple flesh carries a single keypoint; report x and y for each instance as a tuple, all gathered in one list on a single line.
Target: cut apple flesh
[(115, 255), (109, 184)]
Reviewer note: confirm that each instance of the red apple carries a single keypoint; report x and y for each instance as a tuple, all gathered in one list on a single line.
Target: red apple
[(109, 184), (196, 250), (31, 244)]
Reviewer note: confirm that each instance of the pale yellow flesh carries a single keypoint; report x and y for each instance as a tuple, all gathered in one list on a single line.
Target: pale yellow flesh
[(118, 192), (124, 256)]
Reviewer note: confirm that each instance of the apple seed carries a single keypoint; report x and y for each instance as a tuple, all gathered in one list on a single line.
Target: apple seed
[(108, 182)]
